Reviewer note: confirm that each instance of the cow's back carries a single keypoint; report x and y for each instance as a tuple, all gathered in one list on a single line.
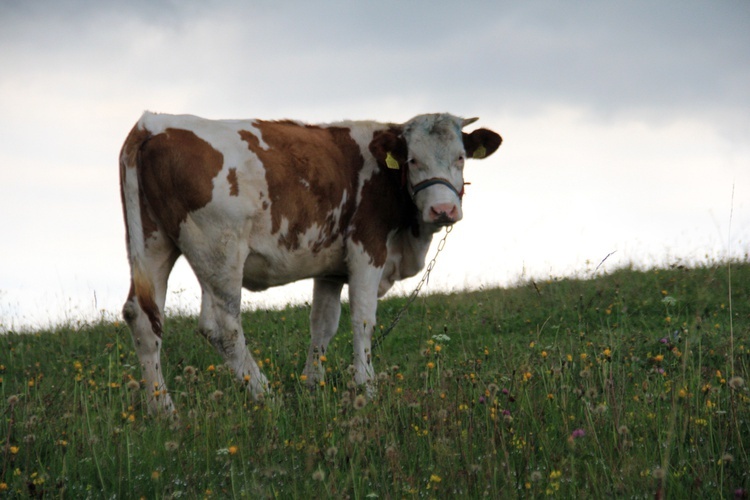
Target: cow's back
[(290, 190)]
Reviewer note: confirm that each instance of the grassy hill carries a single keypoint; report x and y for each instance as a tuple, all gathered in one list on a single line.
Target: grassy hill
[(633, 384)]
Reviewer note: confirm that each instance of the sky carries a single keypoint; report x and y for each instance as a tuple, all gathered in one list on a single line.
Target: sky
[(626, 127)]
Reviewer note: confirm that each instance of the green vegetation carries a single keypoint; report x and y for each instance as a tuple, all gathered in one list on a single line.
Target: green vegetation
[(634, 384)]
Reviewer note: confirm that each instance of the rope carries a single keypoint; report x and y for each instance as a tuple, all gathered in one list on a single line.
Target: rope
[(425, 278)]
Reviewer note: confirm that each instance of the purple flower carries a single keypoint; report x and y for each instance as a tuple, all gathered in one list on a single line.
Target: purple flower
[(481, 400), (664, 340), (578, 433)]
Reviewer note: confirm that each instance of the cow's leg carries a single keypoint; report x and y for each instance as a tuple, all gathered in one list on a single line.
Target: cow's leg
[(363, 298), (220, 323), (218, 262), (324, 321), (144, 313)]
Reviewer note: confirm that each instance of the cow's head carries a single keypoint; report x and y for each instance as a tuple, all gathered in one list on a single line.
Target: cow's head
[(430, 150)]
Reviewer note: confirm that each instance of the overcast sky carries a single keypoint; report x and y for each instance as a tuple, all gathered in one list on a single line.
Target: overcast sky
[(626, 126)]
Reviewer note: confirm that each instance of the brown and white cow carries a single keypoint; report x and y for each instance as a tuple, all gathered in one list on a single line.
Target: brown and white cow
[(255, 204)]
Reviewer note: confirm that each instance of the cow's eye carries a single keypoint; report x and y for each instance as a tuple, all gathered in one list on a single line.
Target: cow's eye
[(412, 161)]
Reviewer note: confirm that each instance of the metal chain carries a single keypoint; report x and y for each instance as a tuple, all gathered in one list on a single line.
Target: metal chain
[(412, 297)]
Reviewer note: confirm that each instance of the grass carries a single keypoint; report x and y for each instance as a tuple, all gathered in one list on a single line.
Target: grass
[(629, 385)]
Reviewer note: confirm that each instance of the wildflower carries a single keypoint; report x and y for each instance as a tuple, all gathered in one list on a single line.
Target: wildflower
[(3, 486), (303, 378), (331, 452), (736, 382), (133, 385), (555, 474), (14, 450), (727, 458), (623, 430), (578, 433), (171, 445), (13, 400), (659, 358), (216, 396), (359, 402), (232, 450), (155, 475), (356, 436), (527, 376), (318, 475), (434, 478), (211, 368), (492, 389)]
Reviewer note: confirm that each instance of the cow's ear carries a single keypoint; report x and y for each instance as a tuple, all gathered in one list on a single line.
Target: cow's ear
[(481, 143), (389, 148)]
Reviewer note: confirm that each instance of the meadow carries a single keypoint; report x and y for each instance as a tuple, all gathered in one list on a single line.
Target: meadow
[(633, 384)]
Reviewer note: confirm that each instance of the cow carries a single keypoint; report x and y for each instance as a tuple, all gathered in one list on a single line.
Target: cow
[(258, 203)]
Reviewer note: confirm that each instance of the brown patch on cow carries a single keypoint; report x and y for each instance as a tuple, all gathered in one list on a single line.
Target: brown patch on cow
[(234, 188), (385, 205), (308, 169), (176, 170), (142, 290)]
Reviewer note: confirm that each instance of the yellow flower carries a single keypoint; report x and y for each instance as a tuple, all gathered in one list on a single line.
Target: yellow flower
[(233, 450), (303, 378), (544, 354), (14, 450), (155, 475), (527, 376), (434, 478), (607, 352), (659, 358), (430, 365), (584, 356)]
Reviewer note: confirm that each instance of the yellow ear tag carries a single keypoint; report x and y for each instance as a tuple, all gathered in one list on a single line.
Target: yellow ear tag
[(391, 162), (479, 153)]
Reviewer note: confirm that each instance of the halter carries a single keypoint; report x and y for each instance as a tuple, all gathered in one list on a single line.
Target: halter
[(436, 180)]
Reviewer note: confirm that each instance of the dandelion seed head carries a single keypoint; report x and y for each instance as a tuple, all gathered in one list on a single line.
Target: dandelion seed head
[(318, 475), (736, 382), (359, 402), (216, 395)]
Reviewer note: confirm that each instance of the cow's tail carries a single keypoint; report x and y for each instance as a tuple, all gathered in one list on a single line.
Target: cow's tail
[(142, 294)]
